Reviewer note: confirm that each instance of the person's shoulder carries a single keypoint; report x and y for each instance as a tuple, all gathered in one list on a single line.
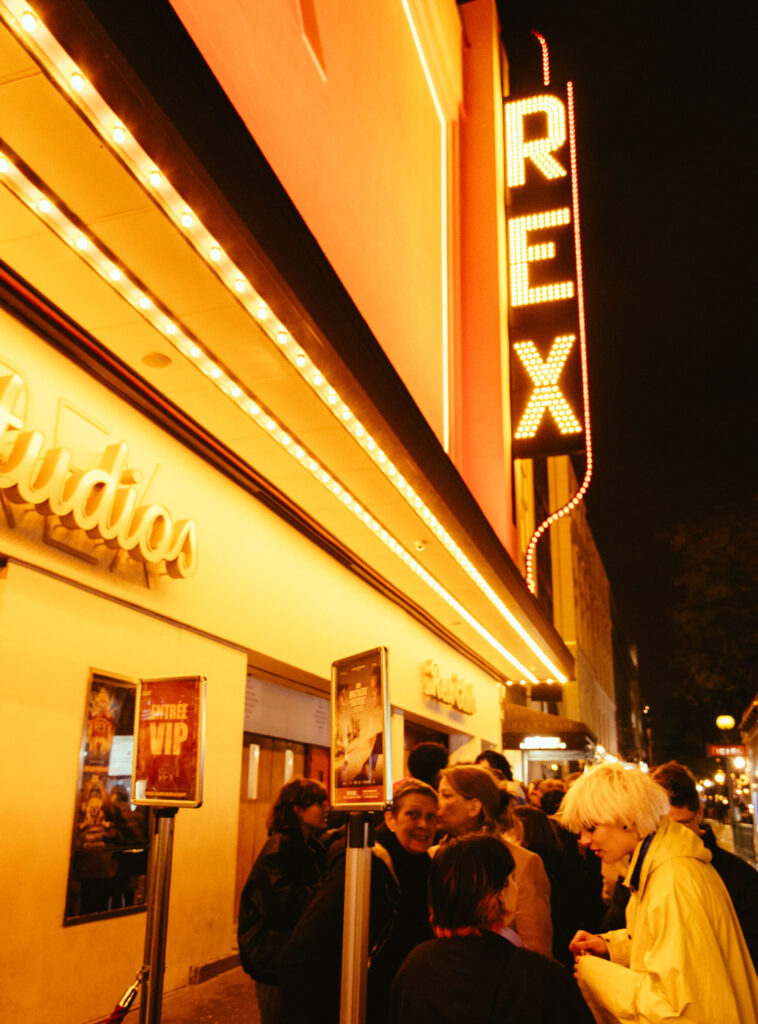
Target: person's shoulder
[(527, 862), (559, 996), (284, 847), (739, 876), (271, 847), (520, 854), (734, 862)]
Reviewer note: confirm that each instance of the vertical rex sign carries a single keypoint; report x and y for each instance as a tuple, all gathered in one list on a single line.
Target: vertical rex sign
[(545, 316)]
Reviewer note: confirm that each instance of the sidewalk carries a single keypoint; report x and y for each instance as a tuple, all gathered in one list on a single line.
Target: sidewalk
[(229, 998)]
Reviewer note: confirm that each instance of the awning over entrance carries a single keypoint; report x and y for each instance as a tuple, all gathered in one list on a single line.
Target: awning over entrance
[(520, 722)]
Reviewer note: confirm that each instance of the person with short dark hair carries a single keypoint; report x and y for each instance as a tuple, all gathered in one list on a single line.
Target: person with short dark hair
[(471, 971), (283, 876), (426, 761), (739, 877), (496, 761)]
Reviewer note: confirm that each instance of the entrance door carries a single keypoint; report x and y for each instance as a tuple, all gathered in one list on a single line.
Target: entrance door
[(252, 834)]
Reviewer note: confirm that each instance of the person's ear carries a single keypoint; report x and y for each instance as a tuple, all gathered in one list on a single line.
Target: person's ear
[(389, 820), (474, 807)]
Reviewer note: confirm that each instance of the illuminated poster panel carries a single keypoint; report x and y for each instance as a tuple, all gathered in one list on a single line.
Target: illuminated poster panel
[(111, 836), (170, 742), (543, 311), (361, 762)]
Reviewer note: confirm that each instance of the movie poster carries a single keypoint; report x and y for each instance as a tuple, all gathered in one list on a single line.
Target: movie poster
[(169, 748), (109, 848), (360, 732)]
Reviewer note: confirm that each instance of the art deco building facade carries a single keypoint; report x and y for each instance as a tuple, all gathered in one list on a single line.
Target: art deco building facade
[(254, 417)]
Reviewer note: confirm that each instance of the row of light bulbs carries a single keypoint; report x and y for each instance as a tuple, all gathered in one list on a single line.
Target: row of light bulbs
[(571, 504), (70, 79)]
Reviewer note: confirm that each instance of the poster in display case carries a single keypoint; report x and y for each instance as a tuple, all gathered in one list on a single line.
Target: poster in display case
[(361, 762), (111, 836), (170, 742)]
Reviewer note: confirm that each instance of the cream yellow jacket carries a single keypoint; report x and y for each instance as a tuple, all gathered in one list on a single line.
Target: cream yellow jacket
[(682, 956)]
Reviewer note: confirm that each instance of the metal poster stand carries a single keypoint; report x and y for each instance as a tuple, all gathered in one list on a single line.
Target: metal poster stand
[(361, 784), (360, 839), (167, 773), (159, 887)]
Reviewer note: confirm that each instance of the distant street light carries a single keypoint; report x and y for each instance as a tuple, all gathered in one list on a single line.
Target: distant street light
[(725, 723), (719, 778)]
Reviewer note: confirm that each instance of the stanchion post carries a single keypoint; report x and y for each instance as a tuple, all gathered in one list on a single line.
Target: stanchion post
[(360, 839), (157, 916), (149, 916)]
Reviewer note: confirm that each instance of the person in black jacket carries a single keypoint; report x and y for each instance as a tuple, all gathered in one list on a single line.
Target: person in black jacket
[(398, 915), (739, 877), (284, 875), (472, 970)]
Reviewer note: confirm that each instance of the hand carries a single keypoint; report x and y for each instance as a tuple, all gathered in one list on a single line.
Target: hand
[(586, 942)]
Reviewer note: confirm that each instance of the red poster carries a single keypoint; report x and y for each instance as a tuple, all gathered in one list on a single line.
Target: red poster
[(170, 740), (360, 732)]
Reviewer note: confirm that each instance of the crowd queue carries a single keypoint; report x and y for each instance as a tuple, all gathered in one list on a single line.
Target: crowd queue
[(600, 897)]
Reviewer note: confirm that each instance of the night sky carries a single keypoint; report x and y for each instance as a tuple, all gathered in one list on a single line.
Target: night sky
[(667, 109)]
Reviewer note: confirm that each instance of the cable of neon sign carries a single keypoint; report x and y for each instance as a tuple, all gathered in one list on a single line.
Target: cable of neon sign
[(545, 58), (531, 547)]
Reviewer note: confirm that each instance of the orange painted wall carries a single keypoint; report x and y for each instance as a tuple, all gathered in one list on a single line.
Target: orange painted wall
[(483, 442), (358, 149), (336, 97)]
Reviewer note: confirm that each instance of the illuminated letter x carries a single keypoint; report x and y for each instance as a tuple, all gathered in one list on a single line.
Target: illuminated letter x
[(547, 394)]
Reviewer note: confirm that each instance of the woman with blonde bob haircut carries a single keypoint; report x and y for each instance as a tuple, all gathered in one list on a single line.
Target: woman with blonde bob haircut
[(614, 795), (682, 956)]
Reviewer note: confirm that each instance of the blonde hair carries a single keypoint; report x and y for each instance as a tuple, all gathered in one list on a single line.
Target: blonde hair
[(611, 794)]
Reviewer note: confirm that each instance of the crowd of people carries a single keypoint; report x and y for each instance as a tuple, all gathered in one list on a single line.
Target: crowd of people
[(601, 896)]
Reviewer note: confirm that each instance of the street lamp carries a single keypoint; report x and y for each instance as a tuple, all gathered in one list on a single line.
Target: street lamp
[(725, 723)]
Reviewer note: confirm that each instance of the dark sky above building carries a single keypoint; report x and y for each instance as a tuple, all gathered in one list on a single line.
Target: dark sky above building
[(667, 109)]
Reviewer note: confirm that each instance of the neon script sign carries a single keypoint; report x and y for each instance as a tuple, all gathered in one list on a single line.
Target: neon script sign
[(452, 690), (546, 366), (101, 501)]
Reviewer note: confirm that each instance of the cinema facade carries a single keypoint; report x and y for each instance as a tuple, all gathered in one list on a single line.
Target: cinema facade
[(254, 417)]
